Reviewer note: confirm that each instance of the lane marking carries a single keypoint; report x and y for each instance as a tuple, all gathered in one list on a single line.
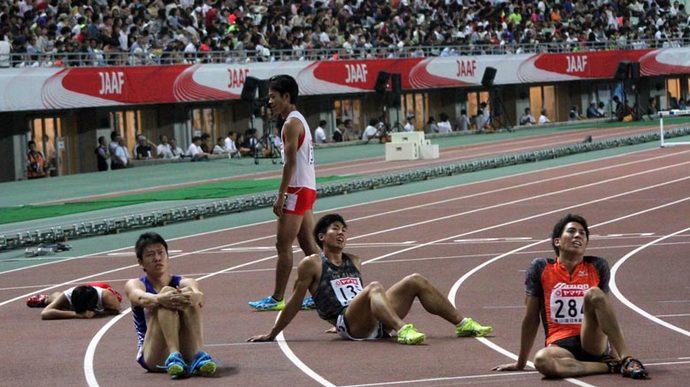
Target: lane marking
[(452, 294), (626, 302), (674, 315), (449, 378), (463, 185)]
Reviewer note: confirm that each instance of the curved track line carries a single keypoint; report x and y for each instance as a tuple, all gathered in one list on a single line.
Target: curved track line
[(308, 371), (626, 302), (399, 197), (452, 294)]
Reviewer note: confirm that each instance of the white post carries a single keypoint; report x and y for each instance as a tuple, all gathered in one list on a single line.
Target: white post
[(661, 129)]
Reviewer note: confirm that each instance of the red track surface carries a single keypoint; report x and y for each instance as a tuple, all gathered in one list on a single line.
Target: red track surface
[(474, 241)]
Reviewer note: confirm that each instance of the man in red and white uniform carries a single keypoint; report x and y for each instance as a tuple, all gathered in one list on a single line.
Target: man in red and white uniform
[(297, 191), (570, 295)]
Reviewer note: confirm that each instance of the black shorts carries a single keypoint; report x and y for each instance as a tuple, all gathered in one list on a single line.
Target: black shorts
[(574, 345)]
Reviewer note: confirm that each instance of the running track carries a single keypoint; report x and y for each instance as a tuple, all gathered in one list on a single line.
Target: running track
[(474, 241)]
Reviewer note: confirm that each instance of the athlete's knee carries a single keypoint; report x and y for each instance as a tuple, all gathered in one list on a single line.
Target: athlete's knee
[(545, 363), (596, 297), (417, 280), (375, 287)]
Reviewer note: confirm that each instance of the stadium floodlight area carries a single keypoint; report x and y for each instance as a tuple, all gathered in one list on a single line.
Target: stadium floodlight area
[(671, 113)]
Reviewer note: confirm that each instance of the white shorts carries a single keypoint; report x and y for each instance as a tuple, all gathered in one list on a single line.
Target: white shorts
[(341, 327)]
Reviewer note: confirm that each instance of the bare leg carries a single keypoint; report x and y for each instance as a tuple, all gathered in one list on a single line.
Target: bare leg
[(162, 334), (288, 227), (369, 307), (556, 362), (305, 237), (191, 332), (600, 323), (403, 293)]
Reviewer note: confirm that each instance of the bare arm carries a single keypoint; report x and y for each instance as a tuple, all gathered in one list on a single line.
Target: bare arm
[(60, 309), (530, 325), (171, 299), (292, 130), (305, 277)]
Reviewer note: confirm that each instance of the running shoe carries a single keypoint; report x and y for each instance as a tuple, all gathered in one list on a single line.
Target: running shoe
[(267, 304), (472, 328), (633, 368), (175, 365), (203, 365), (408, 335), (308, 304), (37, 301)]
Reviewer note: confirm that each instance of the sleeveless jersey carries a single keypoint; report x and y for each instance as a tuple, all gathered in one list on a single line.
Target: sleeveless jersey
[(139, 313), (99, 305), (561, 295), (305, 175), (337, 287)]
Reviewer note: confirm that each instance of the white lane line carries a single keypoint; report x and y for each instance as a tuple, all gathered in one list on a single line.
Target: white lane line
[(609, 166), (452, 294), (674, 315), (626, 302), (88, 359), (503, 376)]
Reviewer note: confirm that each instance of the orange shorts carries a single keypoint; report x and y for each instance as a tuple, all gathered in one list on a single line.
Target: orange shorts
[(299, 200)]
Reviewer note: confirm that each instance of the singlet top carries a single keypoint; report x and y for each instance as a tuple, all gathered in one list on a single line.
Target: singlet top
[(99, 305), (139, 313), (337, 287), (561, 295), (305, 175)]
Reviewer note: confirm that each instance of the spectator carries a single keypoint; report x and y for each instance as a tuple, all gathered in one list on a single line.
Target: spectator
[(120, 157), (543, 119), (463, 121), (219, 148), (431, 126), (195, 152), (230, 143), (350, 132), (592, 111), (175, 150), (338, 131), (102, 155), (574, 114), (36, 164), (320, 133), (370, 131), (444, 124), (164, 150), (409, 126), (144, 148), (527, 118), (483, 118), (205, 147)]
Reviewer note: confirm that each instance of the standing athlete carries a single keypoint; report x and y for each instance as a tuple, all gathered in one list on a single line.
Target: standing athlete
[(297, 191), (570, 294)]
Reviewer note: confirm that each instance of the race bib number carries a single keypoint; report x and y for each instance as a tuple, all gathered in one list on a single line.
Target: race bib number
[(346, 289), (567, 304), (290, 201)]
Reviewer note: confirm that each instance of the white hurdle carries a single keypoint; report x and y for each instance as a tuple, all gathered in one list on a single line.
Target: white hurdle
[(671, 113)]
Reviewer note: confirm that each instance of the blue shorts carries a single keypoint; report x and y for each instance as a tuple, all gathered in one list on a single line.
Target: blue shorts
[(140, 358)]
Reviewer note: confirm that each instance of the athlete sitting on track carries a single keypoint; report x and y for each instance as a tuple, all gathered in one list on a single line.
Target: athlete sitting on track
[(167, 314), (570, 294), (84, 301), (333, 278)]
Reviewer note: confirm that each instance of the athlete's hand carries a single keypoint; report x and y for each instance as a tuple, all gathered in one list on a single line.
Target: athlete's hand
[(330, 330), (278, 205), (260, 338), (508, 367), (86, 314)]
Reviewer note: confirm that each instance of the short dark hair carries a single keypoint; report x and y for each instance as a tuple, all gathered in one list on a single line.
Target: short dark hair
[(560, 226), (147, 239), (323, 224), (84, 298), (284, 83), (322, 123)]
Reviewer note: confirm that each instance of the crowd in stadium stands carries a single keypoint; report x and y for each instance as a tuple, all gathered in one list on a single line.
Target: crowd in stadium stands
[(132, 32)]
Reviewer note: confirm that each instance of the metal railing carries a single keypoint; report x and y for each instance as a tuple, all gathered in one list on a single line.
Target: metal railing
[(97, 58)]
